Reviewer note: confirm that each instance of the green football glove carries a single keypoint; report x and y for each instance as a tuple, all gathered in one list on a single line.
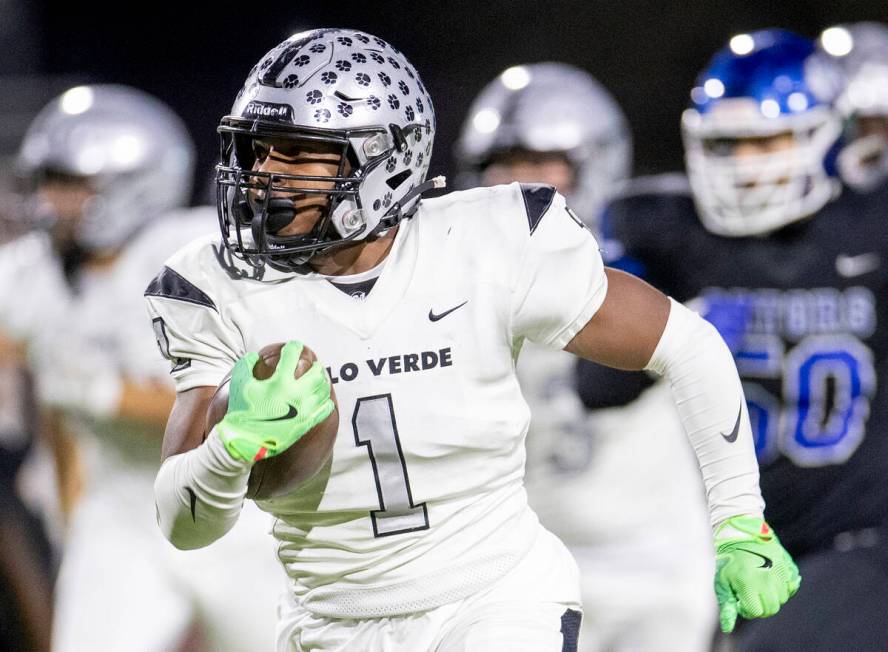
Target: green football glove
[(266, 417), (754, 575)]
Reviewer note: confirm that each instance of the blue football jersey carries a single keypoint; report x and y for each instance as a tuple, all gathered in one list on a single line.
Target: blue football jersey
[(804, 312)]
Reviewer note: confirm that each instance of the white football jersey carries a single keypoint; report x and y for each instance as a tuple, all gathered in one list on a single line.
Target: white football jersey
[(96, 322), (424, 501)]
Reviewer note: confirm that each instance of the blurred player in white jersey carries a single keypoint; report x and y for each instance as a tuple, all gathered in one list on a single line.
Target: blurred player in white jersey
[(635, 479), (862, 51), (417, 534), (109, 170)]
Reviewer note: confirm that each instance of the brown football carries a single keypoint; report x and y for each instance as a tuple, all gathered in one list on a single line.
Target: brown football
[(279, 475)]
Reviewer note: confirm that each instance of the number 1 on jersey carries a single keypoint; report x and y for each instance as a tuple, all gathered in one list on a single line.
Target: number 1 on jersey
[(374, 425)]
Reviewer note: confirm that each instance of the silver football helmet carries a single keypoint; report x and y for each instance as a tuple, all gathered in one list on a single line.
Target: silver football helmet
[(862, 51), (547, 108), (135, 151), (340, 87)]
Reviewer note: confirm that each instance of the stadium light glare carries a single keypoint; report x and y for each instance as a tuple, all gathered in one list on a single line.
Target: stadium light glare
[(837, 41), (742, 44)]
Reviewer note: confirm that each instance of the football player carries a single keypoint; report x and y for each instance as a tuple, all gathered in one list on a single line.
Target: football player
[(862, 51), (555, 124), (109, 170), (793, 275), (417, 535)]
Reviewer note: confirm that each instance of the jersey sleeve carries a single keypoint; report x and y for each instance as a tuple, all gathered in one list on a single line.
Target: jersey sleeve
[(560, 282), (199, 343)]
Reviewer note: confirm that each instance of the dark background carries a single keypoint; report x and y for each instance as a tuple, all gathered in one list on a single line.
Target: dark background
[(646, 53)]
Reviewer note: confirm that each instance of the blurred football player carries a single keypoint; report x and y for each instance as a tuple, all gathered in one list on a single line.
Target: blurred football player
[(555, 124), (109, 169), (418, 534), (862, 51), (793, 276)]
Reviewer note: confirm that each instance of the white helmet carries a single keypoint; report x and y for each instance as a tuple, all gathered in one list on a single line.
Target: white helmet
[(761, 85), (862, 51), (136, 152), (337, 86), (545, 108)]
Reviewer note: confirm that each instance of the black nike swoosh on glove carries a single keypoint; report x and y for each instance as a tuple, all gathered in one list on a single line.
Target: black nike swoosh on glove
[(767, 563), (292, 412)]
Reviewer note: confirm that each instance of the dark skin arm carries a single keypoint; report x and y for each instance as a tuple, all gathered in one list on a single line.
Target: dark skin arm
[(626, 329), (186, 426), (622, 334)]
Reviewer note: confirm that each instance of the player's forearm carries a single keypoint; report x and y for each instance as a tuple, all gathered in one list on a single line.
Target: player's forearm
[(199, 494), (712, 408), (148, 403)]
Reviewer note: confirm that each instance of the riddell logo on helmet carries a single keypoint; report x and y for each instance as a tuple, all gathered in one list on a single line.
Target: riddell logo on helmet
[(267, 110)]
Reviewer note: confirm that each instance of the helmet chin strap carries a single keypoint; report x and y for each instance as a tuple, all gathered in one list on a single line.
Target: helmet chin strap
[(279, 212), (395, 214)]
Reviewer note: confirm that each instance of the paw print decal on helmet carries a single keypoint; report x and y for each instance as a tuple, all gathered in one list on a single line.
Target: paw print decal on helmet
[(381, 88)]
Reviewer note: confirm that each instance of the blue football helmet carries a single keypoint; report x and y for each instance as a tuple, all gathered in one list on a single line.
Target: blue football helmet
[(758, 134)]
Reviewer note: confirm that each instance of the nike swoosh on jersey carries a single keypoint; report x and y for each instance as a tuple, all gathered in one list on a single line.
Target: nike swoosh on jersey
[(434, 317), (291, 412), (849, 266), (766, 562), (192, 497), (732, 436)]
